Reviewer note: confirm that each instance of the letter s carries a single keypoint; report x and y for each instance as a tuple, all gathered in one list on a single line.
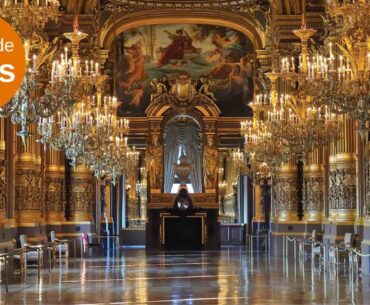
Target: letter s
[(5, 70)]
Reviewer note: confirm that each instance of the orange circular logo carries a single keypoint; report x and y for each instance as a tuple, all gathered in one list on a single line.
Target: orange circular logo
[(12, 62)]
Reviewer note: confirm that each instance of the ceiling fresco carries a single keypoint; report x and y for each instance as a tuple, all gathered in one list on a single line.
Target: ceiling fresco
[(222, 55)]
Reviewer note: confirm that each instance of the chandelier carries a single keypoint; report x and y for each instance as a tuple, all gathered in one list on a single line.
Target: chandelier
[(21, 108), (300, 115), (71, 79), (71, 82), (347, 83), (91, 134), (29, 18), (106, 150)]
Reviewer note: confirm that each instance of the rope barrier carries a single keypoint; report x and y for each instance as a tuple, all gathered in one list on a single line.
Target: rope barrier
[(291, 239)]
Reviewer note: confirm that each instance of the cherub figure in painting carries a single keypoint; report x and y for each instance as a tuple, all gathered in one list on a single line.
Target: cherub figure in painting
[(136, 61), (205, 88), (158, 87)]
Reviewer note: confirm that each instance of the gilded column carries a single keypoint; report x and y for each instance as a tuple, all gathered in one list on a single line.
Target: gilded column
[(342, 175), (313, 187), (28, 182), (3, 181), (55, 196), (285, 193), (81, 194)]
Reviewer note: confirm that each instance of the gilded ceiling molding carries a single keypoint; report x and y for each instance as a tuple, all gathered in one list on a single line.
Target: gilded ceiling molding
[(287, 7), (238, 6), (125, 21)]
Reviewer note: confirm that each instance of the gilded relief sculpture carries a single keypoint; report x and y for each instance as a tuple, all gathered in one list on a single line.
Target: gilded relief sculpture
[(155, 163), (286, 194), (210, 163)]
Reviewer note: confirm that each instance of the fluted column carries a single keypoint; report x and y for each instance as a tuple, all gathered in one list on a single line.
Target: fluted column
[(55, 196), (285, 193), (3, 181), (342, 175), (81, 194), (313, 186), (28, 182)]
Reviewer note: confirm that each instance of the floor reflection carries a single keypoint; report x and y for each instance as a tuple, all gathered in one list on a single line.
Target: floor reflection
[(228, 277)]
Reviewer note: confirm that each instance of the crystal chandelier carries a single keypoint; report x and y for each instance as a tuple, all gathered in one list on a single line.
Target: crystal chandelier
[(71, 82), (347, 83), (300, 116), (29, 16), (72, 79), (107, 152), (264, 150), (21, 108)]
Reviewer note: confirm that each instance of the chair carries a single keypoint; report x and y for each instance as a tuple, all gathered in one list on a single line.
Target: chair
[(341, 249), (4, 268), (89, 245), (60, 246), (30, 255), (316, 249)]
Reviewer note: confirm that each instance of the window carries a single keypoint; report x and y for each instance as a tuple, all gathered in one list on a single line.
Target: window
[(175, 186)]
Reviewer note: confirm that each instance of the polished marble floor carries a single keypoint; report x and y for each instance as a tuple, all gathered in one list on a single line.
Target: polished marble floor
[(227, 277)]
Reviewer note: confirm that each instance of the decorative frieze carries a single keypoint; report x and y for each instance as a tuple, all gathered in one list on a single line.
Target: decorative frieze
[(54, 197), (313, 192), (342, 187), (286, 193), (82, 194), (27, 189)]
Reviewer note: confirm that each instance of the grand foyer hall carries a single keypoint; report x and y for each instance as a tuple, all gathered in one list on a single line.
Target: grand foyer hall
[(187, 152)]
